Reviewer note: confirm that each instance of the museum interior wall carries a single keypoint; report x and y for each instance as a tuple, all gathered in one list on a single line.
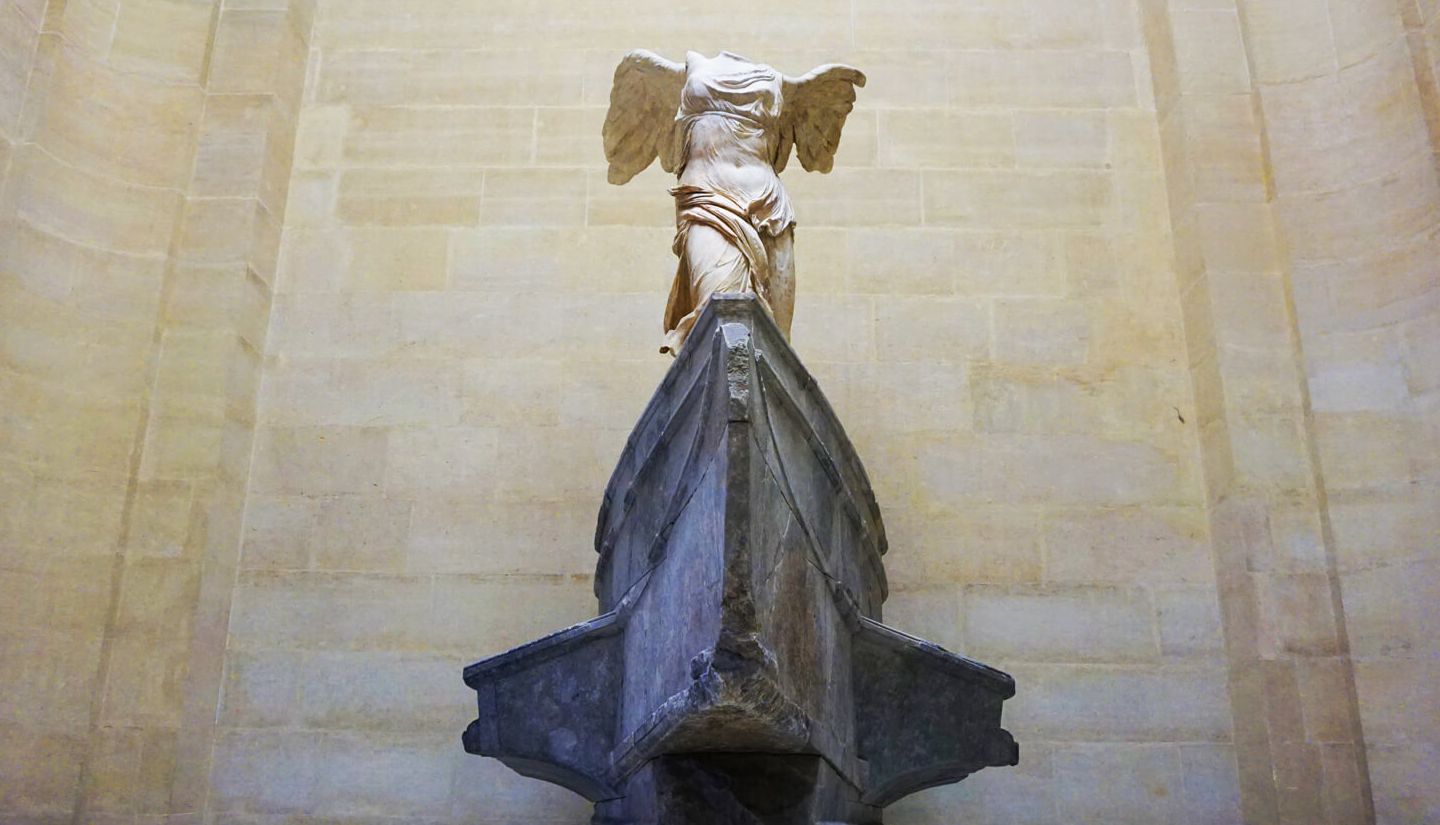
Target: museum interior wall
[(323, 329), (148, 148)]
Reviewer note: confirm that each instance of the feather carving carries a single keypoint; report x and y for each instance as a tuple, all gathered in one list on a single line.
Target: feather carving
[(640, 125), (814, 111)]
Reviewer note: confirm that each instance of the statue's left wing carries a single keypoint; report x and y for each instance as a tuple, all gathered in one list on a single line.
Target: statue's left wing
[(641, 122), (813, 113)]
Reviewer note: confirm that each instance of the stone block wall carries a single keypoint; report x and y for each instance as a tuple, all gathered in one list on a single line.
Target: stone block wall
[(147, 161), (322, 331), (465, 328), (1349, 118)]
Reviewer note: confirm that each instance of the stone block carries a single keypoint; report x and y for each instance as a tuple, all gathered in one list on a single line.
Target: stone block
[(634, 205), (333, 325), (934, 613), (264, 772), (1211, 784), (1061, 139), (606, 395), (946, 139), (1137, 784), (512, 393), (1269, 452), (144, 683), (90, 209), (1293, 41), (903, 261), (1094, 703), (1017, 200), (128, 128), (1059, 469), (161, 39), (1400, 779), (1297, 615), (1042, 331), (500, 612), (40, 768), (1070, 625), (994, 545), (1150, 545), (319, 460), (920, 25), (360, 533), (20, 34), (1020, 263), (1360, 450), (1210, 51), (1041, 79), (398, 260), (906, 397), (903, 78), (249, 45), (1325, 699), (487, 76), (1370, 530), (51, 673), (377, 774), (410, 197), (463, 535), (534, 197), (441, 458), (930, 329), (337, 611), (1421, 342), (261, 689), (363, 392), (551, 464), (1056, 24), (568, 136), (1392, 610), (1223, 137), (836, 328), (1189, 624), (429, 136), (371, 691), (487, 786)]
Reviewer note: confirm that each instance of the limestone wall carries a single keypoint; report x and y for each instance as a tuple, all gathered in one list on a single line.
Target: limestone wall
[(148, 157), (322, 330), (1356, 194), (465, 328)]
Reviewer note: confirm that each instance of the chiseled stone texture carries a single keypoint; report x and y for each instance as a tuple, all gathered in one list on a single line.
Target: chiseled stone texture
[(463, 331), (1058, 288), (144, 186)]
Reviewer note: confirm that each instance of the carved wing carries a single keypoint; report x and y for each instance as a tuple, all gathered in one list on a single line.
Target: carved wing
[(813, 114), (641, 122)]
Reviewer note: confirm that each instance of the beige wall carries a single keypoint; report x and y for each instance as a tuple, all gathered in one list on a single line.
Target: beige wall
[(466, 328), (1130, 308), (149, 153), (1356, 194)]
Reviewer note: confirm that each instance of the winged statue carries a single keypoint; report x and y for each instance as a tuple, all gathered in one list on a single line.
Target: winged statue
[(725, 126)]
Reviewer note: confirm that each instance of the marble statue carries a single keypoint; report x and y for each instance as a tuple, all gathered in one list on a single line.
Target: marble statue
[(725, 126)]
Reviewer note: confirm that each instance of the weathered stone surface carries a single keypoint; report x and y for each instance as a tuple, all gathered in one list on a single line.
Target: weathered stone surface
[(739, 671)]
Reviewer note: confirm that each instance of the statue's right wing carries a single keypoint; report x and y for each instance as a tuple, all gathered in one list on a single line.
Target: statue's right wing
[(641, 122)]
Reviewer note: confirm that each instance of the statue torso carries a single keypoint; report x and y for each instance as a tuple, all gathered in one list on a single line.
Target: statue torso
[(729, 112)]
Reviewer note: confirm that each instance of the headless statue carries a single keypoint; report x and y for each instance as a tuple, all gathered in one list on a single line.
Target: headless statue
[(725, 126)]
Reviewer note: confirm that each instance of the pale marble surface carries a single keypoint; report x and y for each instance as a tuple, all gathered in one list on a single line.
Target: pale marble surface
[(725, 126)]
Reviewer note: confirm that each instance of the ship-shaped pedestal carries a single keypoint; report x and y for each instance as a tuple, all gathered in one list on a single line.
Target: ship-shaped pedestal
[(739, 671)]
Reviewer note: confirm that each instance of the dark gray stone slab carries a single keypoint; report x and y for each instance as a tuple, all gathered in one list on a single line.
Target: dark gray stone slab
[(739, 672)]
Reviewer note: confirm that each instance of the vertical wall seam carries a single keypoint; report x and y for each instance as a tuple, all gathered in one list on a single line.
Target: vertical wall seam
[(1312, 448)]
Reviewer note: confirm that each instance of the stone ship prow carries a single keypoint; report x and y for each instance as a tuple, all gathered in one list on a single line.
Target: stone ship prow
[(739, 672)]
